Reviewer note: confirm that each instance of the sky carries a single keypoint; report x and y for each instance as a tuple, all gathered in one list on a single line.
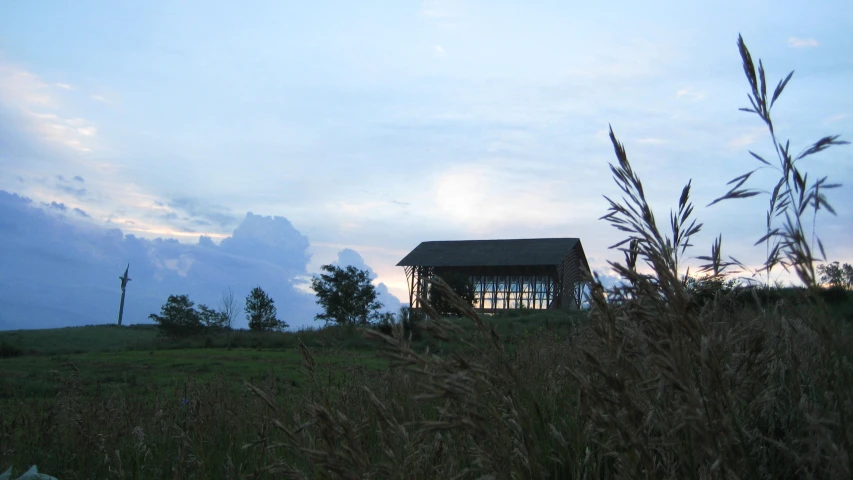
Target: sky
[(216, 144)]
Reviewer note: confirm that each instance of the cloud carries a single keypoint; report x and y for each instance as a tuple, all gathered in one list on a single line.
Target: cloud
[(651, 141), (58, 206), (689, 94), (440, 9), (271, 239), (747, 139), (63, 86), (33, 98), (795, 42), (87, 131), (438, 50), (835, 118), (198, 209), (78, 178), (81, 213), (65, 273), (98, 98), (482, 198), (77, 192)]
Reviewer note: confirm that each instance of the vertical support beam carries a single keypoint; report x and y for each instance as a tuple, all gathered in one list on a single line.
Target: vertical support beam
[(410, 285)]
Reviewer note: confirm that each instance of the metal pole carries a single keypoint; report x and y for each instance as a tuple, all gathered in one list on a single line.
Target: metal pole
[(124, 279)]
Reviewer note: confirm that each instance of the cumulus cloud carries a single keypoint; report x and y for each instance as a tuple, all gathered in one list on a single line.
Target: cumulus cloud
[(55, 273)]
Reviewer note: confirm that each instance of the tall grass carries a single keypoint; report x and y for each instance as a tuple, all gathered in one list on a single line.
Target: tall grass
[(653, 385)]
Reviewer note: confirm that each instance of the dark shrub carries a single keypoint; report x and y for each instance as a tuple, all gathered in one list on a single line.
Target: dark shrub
[(834, 295), (7, 350)]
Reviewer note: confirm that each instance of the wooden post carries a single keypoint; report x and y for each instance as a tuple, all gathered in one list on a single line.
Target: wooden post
[(124, 279)]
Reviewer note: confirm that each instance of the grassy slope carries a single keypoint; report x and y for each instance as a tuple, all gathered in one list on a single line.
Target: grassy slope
[(133, 356), (32, 376), (78, 339)]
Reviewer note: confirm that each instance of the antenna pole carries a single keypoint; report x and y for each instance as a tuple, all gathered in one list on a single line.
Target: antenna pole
[(124, 279)]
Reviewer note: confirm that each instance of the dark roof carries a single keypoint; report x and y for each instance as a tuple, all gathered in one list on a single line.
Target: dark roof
[(471, 253)]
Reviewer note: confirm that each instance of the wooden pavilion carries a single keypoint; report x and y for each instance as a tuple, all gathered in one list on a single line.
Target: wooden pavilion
[(537, 273)]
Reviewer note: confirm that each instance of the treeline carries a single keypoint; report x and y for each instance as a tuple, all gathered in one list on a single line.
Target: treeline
[(180, 317), (347, 296)]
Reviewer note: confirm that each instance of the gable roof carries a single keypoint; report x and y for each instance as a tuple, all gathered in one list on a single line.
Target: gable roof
[(491, 253)]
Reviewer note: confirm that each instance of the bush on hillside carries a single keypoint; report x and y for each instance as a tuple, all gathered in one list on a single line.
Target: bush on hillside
[(7, 350)]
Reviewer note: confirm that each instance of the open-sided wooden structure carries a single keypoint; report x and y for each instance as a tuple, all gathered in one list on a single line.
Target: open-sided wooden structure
[(538, 273)]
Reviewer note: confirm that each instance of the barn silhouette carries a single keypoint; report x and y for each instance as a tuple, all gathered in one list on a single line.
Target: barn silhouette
[(536, 273)]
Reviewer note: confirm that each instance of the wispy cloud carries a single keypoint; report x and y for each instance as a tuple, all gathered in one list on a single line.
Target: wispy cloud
[(76, 192), (439, 9), (31, 96), (438, 50), (21, 88), (747, 139), (689, 94), (98, 98), (651, 141), (835, 118), (796, 42)]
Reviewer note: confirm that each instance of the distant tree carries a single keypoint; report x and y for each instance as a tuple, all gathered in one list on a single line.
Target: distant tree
[(211, 319), (178, 318), (261, 312), (461, 285), (836, 275), (228, 308), (346, 295)]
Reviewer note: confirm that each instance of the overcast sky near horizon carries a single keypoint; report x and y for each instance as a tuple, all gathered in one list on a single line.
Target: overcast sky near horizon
[(373, 126)]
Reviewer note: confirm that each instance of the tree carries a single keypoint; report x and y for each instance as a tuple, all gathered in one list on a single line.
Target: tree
[(461, 285), (210, 318), (228, 307), (261, 312), (840, 276), (346, 295), (178, 318)]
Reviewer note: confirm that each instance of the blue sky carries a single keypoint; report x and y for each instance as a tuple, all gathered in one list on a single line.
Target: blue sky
[(373, 126)]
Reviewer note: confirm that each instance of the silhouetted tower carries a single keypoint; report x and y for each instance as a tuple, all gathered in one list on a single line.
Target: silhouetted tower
[(124, 279)]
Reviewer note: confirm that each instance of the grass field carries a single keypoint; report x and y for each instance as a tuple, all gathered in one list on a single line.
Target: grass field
[(30, 376), (134, 356), (70, 340), (123, 381)]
